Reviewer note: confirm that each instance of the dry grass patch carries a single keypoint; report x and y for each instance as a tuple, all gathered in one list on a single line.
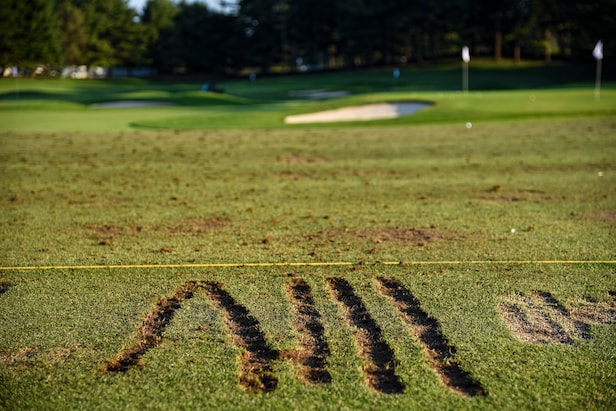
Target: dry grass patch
[(195, 227), (537, 317), (20, 356), (383, 235)]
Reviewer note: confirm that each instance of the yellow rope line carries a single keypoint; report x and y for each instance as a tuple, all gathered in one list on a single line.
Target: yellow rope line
[(303, 264)]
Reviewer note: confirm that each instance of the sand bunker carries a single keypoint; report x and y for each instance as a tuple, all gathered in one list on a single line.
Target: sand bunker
[(131, 104), (359, 113)]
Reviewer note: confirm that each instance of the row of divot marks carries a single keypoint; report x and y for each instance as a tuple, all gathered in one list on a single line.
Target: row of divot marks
[(256, 373)]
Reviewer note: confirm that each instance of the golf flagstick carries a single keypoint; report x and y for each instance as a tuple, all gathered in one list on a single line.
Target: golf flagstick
[(466, 58), (598, 54)]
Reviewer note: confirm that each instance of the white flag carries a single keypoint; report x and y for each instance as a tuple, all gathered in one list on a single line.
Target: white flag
[(466, 54), (598, 51)]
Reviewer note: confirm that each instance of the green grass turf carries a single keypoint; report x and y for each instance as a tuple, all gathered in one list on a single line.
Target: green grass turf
[(59, 328), (393, 191), (498, 92)]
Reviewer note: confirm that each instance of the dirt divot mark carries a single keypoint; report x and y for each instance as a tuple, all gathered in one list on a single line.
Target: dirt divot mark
[(591, 311), (410, 236), (22, 356), (538, 317), (407, 235), (195, 227), (381, 365), (256, 370), (198, 226), (4, 287), (150, 332), (426, 329), (314, 349)]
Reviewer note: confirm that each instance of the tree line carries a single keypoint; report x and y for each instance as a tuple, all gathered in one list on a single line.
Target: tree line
[(264, 35)]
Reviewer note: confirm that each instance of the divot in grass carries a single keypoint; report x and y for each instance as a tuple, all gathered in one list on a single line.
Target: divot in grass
[(256, 370), (440, 353), (151, 331), (314, 350), (380, 368), (537, 317), (4, 287)]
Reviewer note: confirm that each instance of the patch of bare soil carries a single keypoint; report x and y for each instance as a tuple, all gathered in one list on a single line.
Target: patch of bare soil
[(417, 236), (106, 229), (538, 317), (301, 159), (256, 371), (61, 354), (314, 350), (150, 333), (378, 235), (500, 195), (198, 226), (594, 312), (426, 329), (380, 368), (605, 215), (19, 356)]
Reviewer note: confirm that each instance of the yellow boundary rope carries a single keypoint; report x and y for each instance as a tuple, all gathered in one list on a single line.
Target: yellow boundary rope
[(303, 264)]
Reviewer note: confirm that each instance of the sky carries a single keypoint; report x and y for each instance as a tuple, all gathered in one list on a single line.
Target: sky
[(212, 4)]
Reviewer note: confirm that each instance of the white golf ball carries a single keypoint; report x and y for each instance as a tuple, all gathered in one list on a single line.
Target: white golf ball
[(512, 230), (469, 125)]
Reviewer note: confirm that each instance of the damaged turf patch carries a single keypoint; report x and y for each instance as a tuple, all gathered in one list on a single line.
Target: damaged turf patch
[(300, 159), (426, 329), (417, 236), (314, 350), (4, 287), (256, 370), (591, 311), (22, 356), (538, 317), (150, 333), (605, 216), (408, 236), (380, 368), (198, 226), (195, 227)]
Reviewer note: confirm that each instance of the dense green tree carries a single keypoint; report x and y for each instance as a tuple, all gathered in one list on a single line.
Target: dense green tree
[(490, 24), (191, 38), (195, 36), (29, 33), (184, 35), (163, 50), (368, 29), (114, 35), (74, 33), (312, 32), (265, 24)]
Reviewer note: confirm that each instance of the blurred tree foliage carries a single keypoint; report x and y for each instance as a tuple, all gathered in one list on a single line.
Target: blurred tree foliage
[(187, 37)]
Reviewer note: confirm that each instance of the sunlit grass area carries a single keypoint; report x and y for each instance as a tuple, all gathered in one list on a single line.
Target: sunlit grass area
[(206, 255)]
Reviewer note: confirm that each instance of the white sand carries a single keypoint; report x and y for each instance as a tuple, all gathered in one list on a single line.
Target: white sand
[(359, 113), (131, 104)]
